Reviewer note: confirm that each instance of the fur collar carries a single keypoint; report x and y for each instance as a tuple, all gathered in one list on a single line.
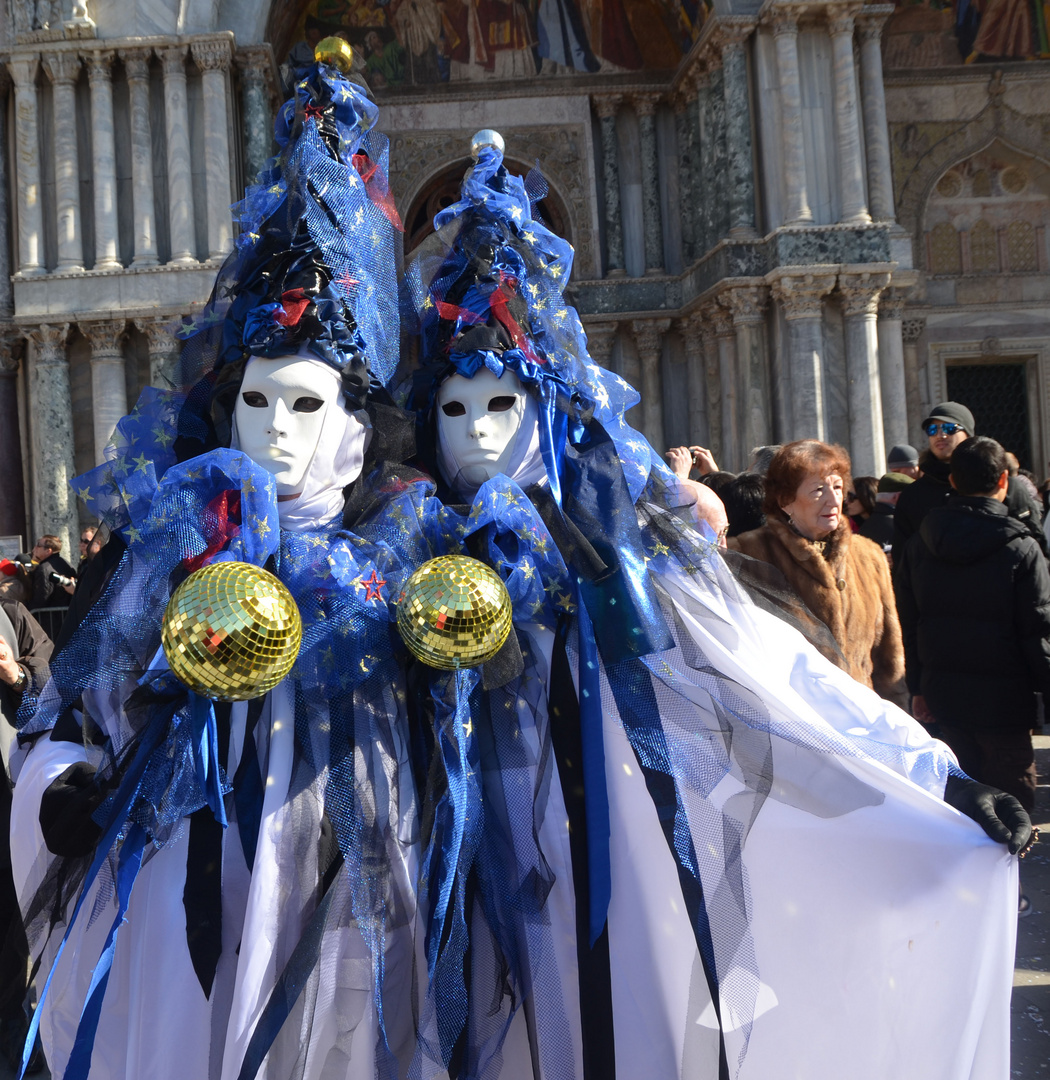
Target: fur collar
[(827, 565)]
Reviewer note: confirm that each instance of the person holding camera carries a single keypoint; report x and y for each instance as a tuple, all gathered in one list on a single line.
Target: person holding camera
[(51, 579)]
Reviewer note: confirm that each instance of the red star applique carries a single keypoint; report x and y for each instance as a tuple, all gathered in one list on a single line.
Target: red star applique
[(372, 586)]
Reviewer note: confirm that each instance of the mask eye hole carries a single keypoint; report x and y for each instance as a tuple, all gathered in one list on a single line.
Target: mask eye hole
[(307, 404), (454, 408), (254, 400), (502, 404)]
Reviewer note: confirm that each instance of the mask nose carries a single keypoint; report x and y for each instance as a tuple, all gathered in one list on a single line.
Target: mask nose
[(278, 420)]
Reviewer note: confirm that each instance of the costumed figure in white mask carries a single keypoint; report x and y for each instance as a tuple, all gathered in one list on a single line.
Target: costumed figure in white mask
[(223, 890), (670, 839)]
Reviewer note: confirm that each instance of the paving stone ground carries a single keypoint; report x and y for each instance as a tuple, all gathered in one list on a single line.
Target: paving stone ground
[(1031, 1000)]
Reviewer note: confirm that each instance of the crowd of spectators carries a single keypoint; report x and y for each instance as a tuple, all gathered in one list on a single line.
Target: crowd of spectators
[(931, 579)]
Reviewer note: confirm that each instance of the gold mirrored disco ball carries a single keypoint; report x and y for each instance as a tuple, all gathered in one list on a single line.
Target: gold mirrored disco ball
[(454, 613), (335, 51), (231, 631)]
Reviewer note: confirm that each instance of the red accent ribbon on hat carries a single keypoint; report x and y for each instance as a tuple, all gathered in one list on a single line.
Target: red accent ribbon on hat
[(222, 511), (377, 187), (293, 303), (455, 313), (498, 301)]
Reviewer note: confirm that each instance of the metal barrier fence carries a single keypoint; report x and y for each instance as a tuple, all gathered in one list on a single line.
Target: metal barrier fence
[(50, 618)]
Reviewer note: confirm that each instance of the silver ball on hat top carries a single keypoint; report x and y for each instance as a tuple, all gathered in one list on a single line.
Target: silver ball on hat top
[(483, 138)]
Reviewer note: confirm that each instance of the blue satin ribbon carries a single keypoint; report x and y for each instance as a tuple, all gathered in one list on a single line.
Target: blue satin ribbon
[(206, 754)]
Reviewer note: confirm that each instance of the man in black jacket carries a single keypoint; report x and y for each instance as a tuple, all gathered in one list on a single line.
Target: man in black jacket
[(948, 424), (973, 594)]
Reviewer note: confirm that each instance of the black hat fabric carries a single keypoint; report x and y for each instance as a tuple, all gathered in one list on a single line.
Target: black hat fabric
[(954, 413)]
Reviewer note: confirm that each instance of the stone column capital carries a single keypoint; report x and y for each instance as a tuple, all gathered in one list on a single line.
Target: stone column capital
[(891, 303), (601, 336), (842, 19), (136, 63), (912, 328), (49, 343), (10, 336), (745, 303), (871, 19), (158, 334), (731, 33), (100, 65), (606, 105), (645, 104), (718, 319), (23, 69), (802, 295), (648, 333), (173, 59), (104, 336), (694, 331), (860, 291), (211, 55), (785, 21), (62, 67)]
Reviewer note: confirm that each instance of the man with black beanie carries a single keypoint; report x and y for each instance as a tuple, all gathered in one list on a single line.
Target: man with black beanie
[(973, 595), (948, 425)]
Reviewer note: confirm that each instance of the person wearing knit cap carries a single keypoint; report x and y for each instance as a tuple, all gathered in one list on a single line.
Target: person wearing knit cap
[(879, 526), (903, 459), (948, 424)]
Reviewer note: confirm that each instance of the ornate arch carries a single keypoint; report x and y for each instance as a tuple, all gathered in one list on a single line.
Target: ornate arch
[(924, 152), (418, 159)]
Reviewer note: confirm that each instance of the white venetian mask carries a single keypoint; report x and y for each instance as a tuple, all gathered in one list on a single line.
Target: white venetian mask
[(290, 420), (479, 421)]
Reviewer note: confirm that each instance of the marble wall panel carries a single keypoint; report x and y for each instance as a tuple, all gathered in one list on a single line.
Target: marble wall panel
[(818, 125)]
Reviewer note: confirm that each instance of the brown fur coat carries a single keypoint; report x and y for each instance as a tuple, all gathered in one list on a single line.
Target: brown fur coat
[(849, 590)]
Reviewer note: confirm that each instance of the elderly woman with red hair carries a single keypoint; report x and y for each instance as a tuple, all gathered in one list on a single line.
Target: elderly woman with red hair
[(841, 577)]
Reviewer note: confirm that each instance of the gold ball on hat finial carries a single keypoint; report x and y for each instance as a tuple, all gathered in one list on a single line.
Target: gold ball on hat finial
[(336, 52), (485, 137), (454, 613), (231, 631)]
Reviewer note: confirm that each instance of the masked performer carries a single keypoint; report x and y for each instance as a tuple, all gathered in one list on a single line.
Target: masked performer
[(229, 889), (669, 838)]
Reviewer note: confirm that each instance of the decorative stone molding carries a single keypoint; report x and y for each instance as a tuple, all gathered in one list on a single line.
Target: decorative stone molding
[(601, 337), (719, 319), (860, 291), (912, 328), (62, 68), (802, 295), (136, 63), (746, 303), (100, 64), (646, 104), (173, 59), (10, 361), (871, 19), (606, 104), (648, 335), (891, 303)]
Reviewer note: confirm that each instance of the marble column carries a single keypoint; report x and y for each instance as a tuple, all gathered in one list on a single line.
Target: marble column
[(686, 138), (163, 352), (7, 301), (27, 167), (645, 108), (136, 66), (747, 305), (607, 106), (854, 209), (62, 69), (912, 329), (12, 490), (802, 298), (213, 59), (704, 167), (741, 165), (180, 177), (692, 331), (721, 322), (648, 336), (104, 159), (109, 395), (796, 199), (891, 367), (860, 305), (713, 382), (255, 108), (53, 508), (873, 106)]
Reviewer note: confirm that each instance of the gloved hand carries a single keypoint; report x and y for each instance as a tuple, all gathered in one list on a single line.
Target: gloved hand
[(1001, 816)]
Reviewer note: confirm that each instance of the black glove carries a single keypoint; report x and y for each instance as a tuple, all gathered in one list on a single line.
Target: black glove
[(66, 808), (1001, 816)]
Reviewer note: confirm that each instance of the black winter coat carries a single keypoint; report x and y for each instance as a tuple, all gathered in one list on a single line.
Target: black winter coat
[(879, 526), (973, 596), (933, 489)]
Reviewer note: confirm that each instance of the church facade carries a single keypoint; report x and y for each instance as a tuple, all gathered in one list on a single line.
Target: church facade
[(790, 218)]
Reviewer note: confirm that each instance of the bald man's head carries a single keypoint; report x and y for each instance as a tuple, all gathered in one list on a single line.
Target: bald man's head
[(709, 509)]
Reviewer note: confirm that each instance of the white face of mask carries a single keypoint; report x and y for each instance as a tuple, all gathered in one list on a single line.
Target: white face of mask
[(478, 420), (281, 409)]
